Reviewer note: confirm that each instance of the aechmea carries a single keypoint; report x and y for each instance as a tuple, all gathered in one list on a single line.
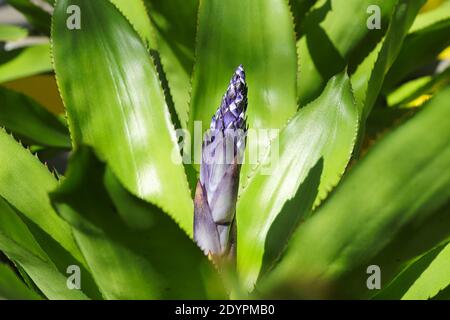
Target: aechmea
[(222, 154)]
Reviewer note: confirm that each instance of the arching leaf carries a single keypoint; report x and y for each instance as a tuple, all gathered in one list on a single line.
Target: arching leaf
[(325, 129), (27, 119), (175, 25), (260, 36), (24, 62), (334, 37), (398, 183), (125, 118), (133, 248)]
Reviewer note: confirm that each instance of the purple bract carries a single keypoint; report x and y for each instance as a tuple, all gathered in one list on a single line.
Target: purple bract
[(222, 153)]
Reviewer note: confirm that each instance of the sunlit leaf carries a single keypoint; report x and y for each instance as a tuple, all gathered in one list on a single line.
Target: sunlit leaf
[(11, 286), (409, 274), (393, 186), (24, 62), (136, 13), (428, 18), (25, 185), (335, 36), (17, 242), (325, 129), (434, 278), (12, 33), (44, 272), (401, 20), (125, 118), (293, 212), (133, 248), (430, 229), (422, 45), (407, 94), (260, 36)]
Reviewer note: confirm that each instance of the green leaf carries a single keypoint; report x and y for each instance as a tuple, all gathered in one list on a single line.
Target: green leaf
[(26, 118), (324, 129), (43, 272), (12, 287), (434, 278), (443, 294), (404, 279), (17, 242), (367, 79), (407, 91), (24, 62), (361, 76), (32, 239), (406, 94), (125, 118), (398, 259), (134, 250), (175, 25), (257, 34), (335, 37), (25, 185), (429, 18), (293, 212), (136, 13), (401, 20), (403, 178), (13, 227), (419, 48), (12, 33), (38, 17)]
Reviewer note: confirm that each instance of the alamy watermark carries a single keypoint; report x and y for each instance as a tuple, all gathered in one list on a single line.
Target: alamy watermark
[(74, 279), (374, 20), (374, 280), (261, 147), (73, 22)]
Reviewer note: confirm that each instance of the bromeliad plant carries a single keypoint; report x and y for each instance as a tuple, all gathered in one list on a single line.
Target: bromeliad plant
[(359, 184)]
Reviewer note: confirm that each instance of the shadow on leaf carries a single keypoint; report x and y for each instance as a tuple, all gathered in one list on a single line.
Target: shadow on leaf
[(293, 212)]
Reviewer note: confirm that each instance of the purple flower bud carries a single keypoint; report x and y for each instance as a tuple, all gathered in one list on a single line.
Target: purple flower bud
[(222, 153)]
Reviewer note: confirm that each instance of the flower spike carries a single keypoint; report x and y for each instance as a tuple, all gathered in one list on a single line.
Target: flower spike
[(222, 154)]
